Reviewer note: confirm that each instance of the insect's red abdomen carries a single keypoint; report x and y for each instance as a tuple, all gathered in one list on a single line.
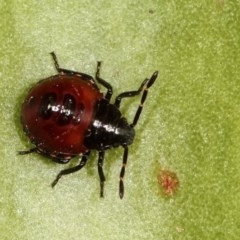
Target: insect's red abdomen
[(57, 113)]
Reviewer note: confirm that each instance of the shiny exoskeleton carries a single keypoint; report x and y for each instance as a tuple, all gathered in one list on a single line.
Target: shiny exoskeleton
[(66, 115)]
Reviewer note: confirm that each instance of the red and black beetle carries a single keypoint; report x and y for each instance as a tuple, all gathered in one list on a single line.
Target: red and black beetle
[(66, 115)]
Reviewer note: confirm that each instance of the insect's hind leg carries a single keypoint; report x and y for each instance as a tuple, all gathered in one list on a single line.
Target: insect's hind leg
[(68, 72), (78, 167), (27, 151)]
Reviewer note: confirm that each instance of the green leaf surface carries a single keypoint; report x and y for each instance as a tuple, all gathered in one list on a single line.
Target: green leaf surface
[(189, 126)]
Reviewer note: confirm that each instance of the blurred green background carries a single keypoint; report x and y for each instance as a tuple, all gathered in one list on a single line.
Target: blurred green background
[(190, 124)]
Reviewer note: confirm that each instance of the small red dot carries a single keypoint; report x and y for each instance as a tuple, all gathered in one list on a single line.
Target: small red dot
[(168, 182)]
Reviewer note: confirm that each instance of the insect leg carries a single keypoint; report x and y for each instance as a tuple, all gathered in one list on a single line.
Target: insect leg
[(122, 172), (144, 96), (73, 169), (27, 151), (129, 94), (104, 82), (100, 171), (69, 72)]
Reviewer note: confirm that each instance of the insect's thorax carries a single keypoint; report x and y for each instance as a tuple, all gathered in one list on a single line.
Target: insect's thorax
[(109, 128)]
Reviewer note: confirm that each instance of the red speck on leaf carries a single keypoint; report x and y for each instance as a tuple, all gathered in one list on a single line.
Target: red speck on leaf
[(168, 182)]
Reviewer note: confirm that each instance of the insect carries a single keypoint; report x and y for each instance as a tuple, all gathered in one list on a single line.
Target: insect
[(66, 115)]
